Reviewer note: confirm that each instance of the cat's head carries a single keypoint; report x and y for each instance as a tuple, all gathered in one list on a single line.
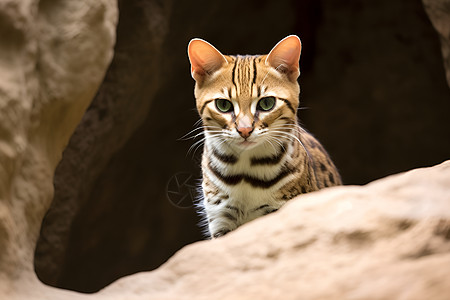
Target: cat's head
[(248, 99)]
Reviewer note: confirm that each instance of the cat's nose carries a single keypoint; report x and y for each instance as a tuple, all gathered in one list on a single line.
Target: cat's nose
[(245, 131), (244, 126)]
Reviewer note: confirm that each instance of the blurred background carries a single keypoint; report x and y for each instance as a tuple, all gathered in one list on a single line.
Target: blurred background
[(373, 88)]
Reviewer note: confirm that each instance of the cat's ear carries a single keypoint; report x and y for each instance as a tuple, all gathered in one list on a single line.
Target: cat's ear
[(285, 56), (204, 58)]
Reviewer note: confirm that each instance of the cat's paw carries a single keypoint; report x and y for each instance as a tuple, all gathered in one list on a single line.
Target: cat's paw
[(220, 233)]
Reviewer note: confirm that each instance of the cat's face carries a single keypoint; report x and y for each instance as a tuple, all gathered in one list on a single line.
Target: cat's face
[(246, 101)]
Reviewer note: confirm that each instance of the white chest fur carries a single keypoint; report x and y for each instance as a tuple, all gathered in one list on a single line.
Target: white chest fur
[(248, 189)]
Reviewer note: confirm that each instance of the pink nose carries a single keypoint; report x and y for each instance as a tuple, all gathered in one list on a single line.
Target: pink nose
[(245, 131)]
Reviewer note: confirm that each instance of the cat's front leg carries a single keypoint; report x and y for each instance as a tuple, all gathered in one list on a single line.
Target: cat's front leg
[(220, 226), (222, 218)]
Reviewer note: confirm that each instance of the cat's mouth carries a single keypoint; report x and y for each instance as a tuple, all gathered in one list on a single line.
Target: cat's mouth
[(246, 144)]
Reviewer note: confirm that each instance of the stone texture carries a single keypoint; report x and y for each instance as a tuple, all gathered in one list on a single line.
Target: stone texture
[(53, 56), (389, 239), (439, 13)]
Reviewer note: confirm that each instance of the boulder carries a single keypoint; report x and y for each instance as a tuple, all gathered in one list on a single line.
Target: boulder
[(53, 57), (389, 239)]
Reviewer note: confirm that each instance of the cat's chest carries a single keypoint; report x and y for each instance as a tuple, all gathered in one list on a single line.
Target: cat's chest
[(249, 198), (243, 183)]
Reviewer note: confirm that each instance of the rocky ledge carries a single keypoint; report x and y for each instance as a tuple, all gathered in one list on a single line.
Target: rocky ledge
[(389, 239)]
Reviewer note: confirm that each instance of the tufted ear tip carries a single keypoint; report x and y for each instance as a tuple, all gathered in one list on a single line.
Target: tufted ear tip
[(205, 58), (285, 56)]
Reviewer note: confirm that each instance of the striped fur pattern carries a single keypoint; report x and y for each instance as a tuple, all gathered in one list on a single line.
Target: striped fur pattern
[(254, 159)]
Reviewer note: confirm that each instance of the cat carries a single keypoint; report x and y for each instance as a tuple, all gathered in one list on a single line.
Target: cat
[(256, 157)]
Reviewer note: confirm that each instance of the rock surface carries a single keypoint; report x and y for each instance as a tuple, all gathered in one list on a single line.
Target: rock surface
[(389, 239), (53, 56)]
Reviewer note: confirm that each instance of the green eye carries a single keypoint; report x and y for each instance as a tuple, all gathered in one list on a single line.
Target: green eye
[(266, 103), (224, 105)]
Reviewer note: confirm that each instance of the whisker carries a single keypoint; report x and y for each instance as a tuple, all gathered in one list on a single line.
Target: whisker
[(278, 141), (200, 142), (286, 134), (270, 143), (186, 136), (197, 122), (199, 134), (296, 138)]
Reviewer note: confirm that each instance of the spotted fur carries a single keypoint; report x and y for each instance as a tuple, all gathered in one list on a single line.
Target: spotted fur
[(254, 160)]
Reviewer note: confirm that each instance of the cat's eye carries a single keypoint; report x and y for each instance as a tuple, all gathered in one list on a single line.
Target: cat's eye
[(224, 105), (266, 103)]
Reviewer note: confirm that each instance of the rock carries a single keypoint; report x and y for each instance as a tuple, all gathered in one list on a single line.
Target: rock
[(439, 13), (53, 56), (389, 239), (118, 109)]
